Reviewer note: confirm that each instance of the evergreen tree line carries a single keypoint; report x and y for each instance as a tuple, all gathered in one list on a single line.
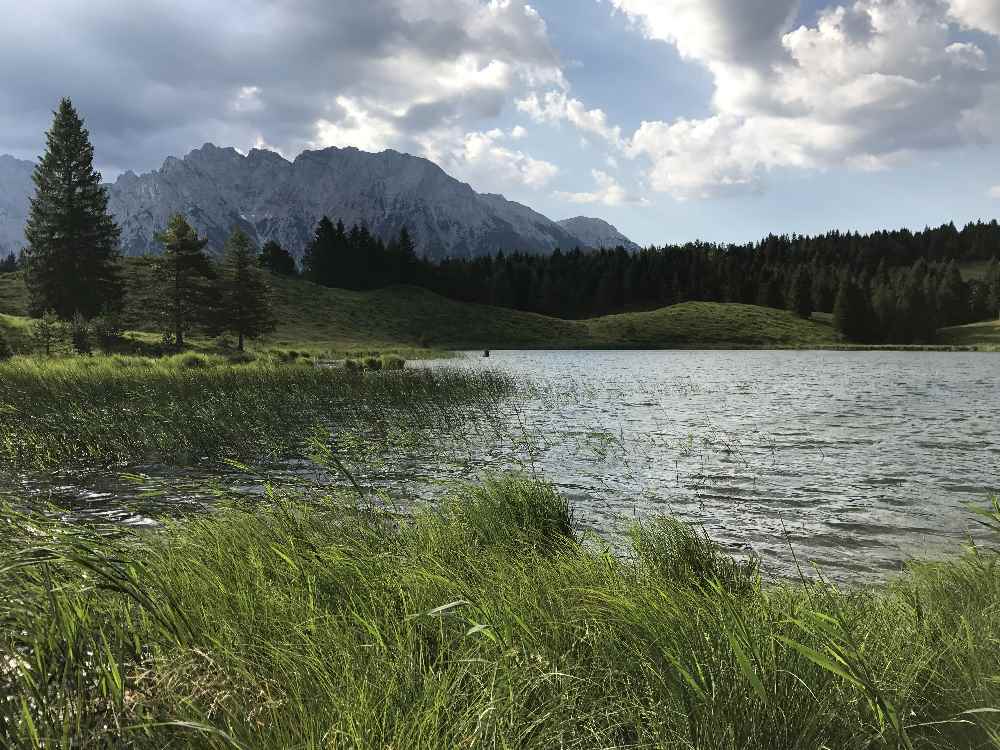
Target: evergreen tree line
[(73, 268), (356, 258), (799, 273)]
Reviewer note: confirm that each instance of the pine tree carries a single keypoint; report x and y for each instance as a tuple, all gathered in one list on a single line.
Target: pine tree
[(800, 293), (952, 297), (319, 261), (9, 264), (276, 259), (183, 277), (246, 307), (850, 310), (408, 253), (72, 259)]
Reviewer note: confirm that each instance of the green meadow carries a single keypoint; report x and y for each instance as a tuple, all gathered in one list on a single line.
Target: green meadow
[(410, 320)]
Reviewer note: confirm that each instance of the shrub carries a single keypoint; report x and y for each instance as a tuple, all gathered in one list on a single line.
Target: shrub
[(392, 362), (192, 361), (5, 351), (514, 511), (49, 333), (241, 358), (372, 363), (108, 328), (352, 365), (670, 550), (121, 360), (79, 332)]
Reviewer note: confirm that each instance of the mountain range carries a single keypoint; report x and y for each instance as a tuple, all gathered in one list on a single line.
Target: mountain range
[(272, 198)]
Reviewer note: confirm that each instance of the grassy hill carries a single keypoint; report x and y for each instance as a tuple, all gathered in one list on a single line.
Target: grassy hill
[(986, 333), (322, 319)]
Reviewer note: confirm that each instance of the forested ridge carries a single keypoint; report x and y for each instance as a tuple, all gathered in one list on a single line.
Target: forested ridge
[(885, 287)]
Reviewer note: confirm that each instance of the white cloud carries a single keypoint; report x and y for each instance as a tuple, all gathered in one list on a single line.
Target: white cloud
[(296, 74), (355, 127), (983, 15), (556, 106), (518, 132), (608, 192), (481, 150), (482, 159), (869, 85), (994, 192)]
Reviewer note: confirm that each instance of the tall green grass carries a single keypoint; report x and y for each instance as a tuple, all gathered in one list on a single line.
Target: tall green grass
[(193, 407), (311, 623)]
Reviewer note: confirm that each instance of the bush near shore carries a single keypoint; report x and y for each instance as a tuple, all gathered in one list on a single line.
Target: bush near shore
[(484, 622)]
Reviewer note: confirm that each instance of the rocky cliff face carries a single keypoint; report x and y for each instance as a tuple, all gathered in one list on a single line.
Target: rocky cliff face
[(272, 198), (597, 233)]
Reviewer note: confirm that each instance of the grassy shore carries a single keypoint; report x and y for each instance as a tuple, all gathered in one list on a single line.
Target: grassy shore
[(312, 623), (113, 411), (984, 335)]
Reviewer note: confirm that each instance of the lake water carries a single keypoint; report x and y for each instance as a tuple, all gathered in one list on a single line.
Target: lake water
[(856, 461)]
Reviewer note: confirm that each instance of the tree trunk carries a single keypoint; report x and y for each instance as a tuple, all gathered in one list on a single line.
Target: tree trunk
[(241, 341)]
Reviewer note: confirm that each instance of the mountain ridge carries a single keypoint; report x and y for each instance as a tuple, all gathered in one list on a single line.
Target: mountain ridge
[(274, 198)]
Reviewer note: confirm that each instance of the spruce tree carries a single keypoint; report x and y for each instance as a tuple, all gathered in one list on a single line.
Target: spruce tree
[(800, 293), (183, 275), (276, 259), (320, 261), (72, 260), (409, 262), (850, 310), (246, 307)]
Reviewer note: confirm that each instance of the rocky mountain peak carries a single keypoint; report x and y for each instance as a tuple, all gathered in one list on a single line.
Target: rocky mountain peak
[(273, 198)]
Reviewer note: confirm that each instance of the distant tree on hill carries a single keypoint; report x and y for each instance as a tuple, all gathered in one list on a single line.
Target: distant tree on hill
[(72, 256), (407, 262), (850, 310), (245, 307), (9, 264), (800, 293), (916, 315), (276, 259), (320, 259), (183, 275), (952, 297)]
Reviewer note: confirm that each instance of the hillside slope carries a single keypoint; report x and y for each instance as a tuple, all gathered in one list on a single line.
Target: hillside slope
[(986, 333), (319, 317)]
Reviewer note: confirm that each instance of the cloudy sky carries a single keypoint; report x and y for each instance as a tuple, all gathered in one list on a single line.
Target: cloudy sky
[(673, 119)]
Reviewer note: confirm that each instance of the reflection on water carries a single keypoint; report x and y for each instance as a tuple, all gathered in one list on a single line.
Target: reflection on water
[(856, 460)]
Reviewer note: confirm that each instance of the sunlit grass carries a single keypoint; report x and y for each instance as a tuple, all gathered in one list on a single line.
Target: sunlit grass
[(311, 623)]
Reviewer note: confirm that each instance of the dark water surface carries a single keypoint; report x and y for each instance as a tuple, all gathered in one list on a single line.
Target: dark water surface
[(857, 461)]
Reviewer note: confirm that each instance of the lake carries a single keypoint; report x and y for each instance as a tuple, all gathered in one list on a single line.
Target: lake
[(854, 461), (858, 460)]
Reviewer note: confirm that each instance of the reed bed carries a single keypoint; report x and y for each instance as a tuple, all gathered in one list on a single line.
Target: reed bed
[(115, 411), (484, 622)]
